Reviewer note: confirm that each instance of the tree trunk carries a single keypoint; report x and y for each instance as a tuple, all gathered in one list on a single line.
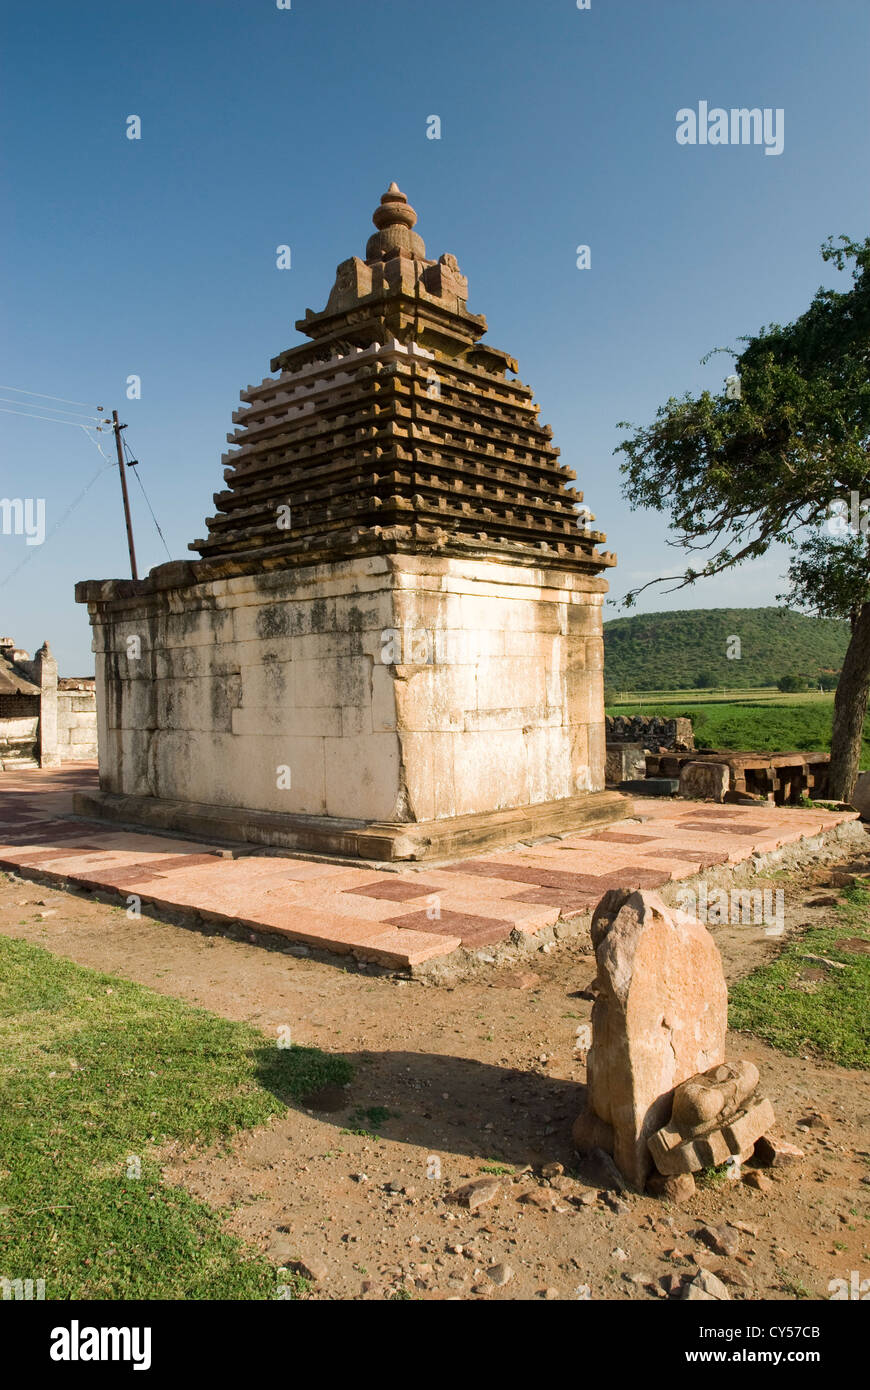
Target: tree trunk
[(850, 708)]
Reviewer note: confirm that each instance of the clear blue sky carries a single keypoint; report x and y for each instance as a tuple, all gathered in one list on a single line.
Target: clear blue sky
[(263, 127)]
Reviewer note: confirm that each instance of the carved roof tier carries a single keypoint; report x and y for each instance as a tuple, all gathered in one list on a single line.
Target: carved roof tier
[(395, 426)]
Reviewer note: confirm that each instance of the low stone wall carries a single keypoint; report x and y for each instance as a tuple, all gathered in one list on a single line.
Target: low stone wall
[(77, 723), (19, 736), (652, 731)]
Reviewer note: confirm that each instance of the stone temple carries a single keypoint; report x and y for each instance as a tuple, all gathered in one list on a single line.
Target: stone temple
[(390, 645)]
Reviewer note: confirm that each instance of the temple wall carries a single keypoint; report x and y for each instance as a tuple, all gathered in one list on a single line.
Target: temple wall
[(389, 688)]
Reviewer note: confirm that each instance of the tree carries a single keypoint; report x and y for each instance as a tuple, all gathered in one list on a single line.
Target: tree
[(785, 457), (790, 684), (703, 681)]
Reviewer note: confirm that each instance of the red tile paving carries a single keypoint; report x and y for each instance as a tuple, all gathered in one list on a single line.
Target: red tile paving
[(350, 908)]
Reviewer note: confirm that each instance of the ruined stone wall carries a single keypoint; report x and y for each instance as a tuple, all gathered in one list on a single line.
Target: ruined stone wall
[(77, 724), (19, 728), (652, 731), (394, 687)]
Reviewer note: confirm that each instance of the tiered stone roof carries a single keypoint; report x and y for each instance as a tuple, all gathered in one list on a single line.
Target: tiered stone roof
[(395, 428)]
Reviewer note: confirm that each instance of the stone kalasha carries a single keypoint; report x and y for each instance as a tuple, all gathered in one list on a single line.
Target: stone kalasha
[(660, 1017), (391, 644)]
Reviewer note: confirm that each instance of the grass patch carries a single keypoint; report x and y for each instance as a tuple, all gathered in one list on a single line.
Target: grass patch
[(97, 1073), (827, 1017)]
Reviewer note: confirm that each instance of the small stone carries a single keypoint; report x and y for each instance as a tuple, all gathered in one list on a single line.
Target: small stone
[(589, 1199), (816, 1120), (616, 1204), (737, 1278), (771, 1152), (619, 1253), (678, 1188), (312, 1269), (758, 1181), (476, 1193), (551, 1294), (705, 1285), (552, 1170), (500, 1274), (539, 1197), (720, 1239)]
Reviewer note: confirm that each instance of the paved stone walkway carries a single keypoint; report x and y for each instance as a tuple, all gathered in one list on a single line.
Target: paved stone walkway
[(393, 918)]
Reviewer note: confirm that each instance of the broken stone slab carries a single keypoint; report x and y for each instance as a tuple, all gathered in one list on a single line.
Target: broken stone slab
[(650, 786), (476, 1193), (712, 1095), (660, 1017), (771, 1152), (705, 1285), (705, 781), (734, 1139)]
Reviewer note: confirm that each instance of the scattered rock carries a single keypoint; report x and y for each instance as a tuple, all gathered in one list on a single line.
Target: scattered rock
[(758, 1181), (771, 1152), (705, 1285), (720, 1239), (678, 1187), (552, 1170), (672, 1284), (540, 1197), (313, 1269), (500, 1274), (476, 1193)]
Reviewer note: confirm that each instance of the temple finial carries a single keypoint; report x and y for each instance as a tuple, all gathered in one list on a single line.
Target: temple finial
[(394, 218)]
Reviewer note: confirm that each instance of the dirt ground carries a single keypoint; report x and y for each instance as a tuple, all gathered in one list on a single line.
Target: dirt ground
[(480, 1074)]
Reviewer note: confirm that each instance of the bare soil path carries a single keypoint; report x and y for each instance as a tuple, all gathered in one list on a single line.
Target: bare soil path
[(481, 1075)]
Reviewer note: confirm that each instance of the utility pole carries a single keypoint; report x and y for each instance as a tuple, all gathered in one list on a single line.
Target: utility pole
[(117, 428)]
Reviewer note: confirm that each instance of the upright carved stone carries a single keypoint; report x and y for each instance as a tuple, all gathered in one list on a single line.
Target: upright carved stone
[(659, 1018)]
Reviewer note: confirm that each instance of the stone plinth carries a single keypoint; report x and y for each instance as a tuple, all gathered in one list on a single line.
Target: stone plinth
[(443, 700)]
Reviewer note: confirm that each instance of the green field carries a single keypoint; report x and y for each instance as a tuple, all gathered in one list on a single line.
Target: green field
[(749, 720), (97, 1074)]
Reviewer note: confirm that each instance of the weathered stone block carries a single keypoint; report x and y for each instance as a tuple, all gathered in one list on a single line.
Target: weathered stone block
[(705, 781)]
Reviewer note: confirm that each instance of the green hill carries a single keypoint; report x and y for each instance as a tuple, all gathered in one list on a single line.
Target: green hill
[(688, 649)]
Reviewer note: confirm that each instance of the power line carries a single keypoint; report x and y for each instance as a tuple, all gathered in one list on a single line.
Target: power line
[(51, 418), (57, 525), (147, 500), (19, 391), (55, 409)]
